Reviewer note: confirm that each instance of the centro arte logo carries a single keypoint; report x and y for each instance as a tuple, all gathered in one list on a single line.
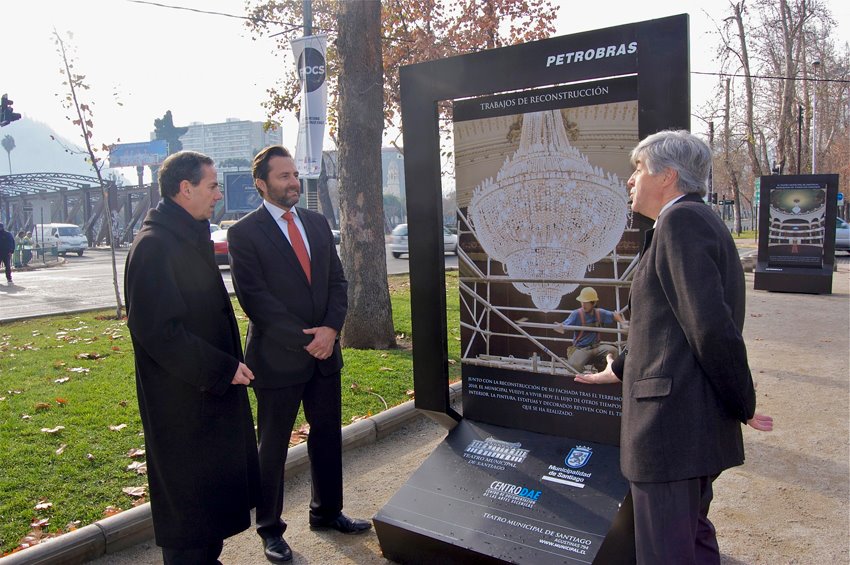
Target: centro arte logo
[(311, 68)]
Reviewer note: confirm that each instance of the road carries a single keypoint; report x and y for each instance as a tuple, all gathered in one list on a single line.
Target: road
[(85, 283)]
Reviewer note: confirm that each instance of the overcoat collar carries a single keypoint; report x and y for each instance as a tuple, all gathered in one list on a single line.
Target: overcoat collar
[(175, 219)]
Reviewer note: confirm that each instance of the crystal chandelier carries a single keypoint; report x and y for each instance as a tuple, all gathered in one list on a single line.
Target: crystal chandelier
[(549, 213)]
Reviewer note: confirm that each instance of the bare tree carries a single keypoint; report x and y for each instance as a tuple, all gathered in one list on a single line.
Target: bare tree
[(76, 83), (768, 48)]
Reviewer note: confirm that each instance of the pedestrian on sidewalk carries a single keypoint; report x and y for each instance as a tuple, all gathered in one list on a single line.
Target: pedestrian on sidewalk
[(687, 386), (19, 244), (191, 382), (7, 248), (289, 280), (26, 249)]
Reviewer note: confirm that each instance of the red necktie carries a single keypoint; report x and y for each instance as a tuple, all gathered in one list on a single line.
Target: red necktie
[(297, 243)]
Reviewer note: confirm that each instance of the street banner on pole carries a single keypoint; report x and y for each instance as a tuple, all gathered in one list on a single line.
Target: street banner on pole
[(309, 55)]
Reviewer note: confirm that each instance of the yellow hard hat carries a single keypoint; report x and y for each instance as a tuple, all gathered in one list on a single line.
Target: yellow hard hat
[(588, 294)]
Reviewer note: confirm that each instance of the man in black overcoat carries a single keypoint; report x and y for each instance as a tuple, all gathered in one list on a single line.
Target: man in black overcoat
[(687, 386), (290, 282), (191, 382)]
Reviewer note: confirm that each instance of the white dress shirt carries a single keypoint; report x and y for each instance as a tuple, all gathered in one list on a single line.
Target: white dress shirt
[(277, 214)]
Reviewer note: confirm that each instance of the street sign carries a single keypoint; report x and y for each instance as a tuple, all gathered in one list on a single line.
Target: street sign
[(840, 198)]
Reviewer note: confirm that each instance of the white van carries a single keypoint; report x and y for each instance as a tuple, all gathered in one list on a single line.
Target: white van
[(68, 237)]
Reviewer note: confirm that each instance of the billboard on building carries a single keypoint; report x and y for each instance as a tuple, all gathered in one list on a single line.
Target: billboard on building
[(239, 192), (147, 153)]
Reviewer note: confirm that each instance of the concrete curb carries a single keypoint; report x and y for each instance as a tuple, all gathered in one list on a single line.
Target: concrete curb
[(134, 526)]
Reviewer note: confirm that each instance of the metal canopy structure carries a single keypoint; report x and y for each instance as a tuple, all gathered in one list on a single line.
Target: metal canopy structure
[(31, 198), (39, 183)]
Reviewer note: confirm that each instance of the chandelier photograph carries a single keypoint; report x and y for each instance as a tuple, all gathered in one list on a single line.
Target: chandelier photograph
[(548, 214)]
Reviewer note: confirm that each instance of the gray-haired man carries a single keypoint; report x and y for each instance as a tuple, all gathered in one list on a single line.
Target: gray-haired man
[(687, 386)]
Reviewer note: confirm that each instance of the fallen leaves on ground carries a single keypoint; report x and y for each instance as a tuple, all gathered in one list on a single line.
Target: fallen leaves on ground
[(61, 449), (57, 429), (140, 467), (91, 355), (111, 511), (135, 452), (135, 492), (299, 435), (62, 380), (43, 504), (118, 428)]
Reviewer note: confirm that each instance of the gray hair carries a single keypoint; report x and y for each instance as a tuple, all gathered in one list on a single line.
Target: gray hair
[(681, 151)]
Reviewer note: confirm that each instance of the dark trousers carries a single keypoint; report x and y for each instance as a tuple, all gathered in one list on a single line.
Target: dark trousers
[(7, 264), (276, 412), (672, 525), (193, 556)]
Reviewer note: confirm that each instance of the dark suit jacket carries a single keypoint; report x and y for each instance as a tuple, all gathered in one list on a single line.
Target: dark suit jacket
[(273, 290), (687, 385)]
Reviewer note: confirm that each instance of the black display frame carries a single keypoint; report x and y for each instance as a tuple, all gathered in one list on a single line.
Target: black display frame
[(661, 64)]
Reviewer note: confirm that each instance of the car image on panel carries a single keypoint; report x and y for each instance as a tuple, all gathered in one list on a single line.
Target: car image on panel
[(398, 241)]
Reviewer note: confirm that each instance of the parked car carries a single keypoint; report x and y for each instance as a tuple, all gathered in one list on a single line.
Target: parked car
[(398, 241), (219, 239), (336, 236), (214, 228), (224, 224), (842, 235)]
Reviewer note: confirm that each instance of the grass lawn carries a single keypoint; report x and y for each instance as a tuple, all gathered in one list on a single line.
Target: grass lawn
[(69, 420), (745, 234)]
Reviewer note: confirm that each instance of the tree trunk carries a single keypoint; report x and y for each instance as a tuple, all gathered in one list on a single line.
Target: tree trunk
[(748, 84), (730, 169), (325, 204), (369, 324)]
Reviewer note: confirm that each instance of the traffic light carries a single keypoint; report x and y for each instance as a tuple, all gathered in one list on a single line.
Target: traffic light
[(7, 113)]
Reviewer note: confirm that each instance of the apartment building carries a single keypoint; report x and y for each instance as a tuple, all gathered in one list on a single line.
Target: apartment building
[(232, 139)]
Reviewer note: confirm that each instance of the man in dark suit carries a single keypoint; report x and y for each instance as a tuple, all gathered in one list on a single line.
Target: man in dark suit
[(289, 279), (190, 378), (687, 385)]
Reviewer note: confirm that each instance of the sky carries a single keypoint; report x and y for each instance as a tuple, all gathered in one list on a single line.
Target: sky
[(206, 68)]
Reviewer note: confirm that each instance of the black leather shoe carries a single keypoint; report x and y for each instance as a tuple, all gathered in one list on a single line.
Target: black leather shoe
[(343, 524), (277, 550)]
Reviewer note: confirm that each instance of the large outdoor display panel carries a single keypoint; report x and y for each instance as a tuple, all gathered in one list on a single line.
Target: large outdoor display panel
[(797, 217), (542, 212), (542, 133)]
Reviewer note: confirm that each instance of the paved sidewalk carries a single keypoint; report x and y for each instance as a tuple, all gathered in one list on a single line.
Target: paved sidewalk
[(787, 504)]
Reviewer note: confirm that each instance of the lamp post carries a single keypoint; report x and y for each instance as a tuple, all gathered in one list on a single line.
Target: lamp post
[(816, 66)]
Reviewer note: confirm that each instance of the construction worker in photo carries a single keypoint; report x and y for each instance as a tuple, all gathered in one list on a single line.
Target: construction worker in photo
[(587, 349)]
